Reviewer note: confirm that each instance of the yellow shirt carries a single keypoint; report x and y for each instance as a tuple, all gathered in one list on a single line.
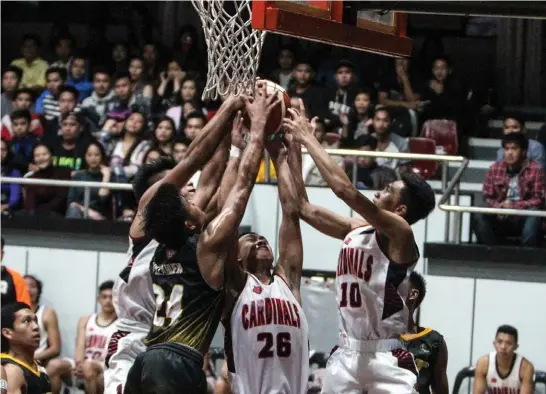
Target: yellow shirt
[(33, 73), (261, 172)]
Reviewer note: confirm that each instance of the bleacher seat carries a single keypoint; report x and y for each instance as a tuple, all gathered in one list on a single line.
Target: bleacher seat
[(423, 168), (444, 132)]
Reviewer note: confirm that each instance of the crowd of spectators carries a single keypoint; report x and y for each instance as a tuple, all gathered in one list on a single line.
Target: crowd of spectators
[(98, 116)]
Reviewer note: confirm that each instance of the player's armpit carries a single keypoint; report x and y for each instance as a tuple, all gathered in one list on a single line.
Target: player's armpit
[(15, 378), (527, 373), (439, 374), (480, 374)]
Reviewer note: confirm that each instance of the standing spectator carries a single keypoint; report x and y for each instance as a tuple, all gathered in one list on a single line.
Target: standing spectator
[(68, 149), (129, 151), (78, 76), (283, 75), (194, 124), (164, 135), (11, 77), (48, 102), (23, 140), (514, 182), (535, 150), (169, 89), (11, 192), (45, 200), (387, 141), (50, 335), (369, 175), (32, 65), (102, 99), (13, 286), (303, 87), (23, 99), (64, 46), (99, 199)]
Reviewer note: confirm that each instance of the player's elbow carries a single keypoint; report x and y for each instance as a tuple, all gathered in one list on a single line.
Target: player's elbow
[(290, 207), (345, 190)]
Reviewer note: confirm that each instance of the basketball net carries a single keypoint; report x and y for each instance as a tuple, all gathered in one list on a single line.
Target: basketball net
[(234, 48)]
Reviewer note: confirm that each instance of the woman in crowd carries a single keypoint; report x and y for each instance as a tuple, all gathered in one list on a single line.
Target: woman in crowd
[(99, 199), (189, 102), (139, 82), (164, 135)]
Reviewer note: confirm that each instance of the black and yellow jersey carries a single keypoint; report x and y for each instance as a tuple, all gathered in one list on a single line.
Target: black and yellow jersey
[(37, 381), (188, 310), (425, 347)]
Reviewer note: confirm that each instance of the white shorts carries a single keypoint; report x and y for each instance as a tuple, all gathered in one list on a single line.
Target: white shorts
[(123, 349), (351, 371)]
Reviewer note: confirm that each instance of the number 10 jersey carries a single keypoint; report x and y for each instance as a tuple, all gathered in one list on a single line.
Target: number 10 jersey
[(267, 340), (188, 310)]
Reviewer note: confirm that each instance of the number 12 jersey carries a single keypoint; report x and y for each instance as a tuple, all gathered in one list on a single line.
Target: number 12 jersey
[(267, 340)]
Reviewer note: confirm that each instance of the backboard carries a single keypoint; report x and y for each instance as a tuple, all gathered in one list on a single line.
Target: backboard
[(339, 23)]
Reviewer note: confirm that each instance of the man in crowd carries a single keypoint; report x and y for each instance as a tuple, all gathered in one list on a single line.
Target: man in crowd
[(22, 99), (11, 77), (388, 141), (48, 102), (32, 65), (514, 182), (102, 98), (535, 150)]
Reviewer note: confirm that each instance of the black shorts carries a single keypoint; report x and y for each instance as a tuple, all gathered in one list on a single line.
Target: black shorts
[(167, 368)]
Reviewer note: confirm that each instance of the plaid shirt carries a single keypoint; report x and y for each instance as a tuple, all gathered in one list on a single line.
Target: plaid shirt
[(531, 185)]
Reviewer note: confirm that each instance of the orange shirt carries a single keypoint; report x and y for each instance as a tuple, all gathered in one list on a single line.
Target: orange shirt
[(14, 288)]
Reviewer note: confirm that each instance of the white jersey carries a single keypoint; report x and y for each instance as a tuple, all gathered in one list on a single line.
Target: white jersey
[(370, 289), (509, 384), (97, 338), (43, 332), (133, 294), (267, 340)]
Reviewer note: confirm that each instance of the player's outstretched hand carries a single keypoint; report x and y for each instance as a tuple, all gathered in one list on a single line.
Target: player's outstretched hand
[(299, 126), (237, 133), (261, 105)]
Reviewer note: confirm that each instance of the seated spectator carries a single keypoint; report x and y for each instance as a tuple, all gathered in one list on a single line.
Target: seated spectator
[(312, 95), (514, 182), (168, 92), (112, 130), (45, 200), (125, 97), (99, 199), (283, 75), (180, 149), (11, 192), (119, 58), (341, 97), (189, 103), (535, 150), (11, 77), (94, 332), (359, 119), (142, 90), (32, 65), (78, 76), (152, 155), (399, 93), (48, 102), (194, 124), (69, 148), (387, 141), (13, 288), (129, 150), (369, 175), (164, 135), (150, 55), (23, 99), (50, 335), (187, 51), (64, 46), (102, 99), (23, 140), (68, 104)]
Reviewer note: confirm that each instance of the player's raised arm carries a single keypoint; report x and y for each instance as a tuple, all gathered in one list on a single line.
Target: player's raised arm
[(322, 219), (290, 262), (388, 223), (218, 237)]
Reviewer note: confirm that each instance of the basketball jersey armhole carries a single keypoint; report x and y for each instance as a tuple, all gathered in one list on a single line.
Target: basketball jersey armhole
[(406, 265)]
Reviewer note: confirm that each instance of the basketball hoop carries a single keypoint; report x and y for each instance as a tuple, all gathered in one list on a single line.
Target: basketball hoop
[(234, 47)]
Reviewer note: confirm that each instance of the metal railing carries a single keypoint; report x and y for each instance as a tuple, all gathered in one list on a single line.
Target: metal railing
[(444, 204)]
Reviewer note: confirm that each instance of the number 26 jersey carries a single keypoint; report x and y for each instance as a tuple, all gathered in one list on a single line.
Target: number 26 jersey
[(267, 340), (188, 310)]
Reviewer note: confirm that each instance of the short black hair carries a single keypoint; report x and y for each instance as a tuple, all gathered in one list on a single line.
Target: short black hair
[(106, 285), (418, 197), (8, 320), (33, 37), (148, 174), (514, 116), (100, 70), (516, 138), (65, 36), (382, 108), (165, 217), (366, 140), (418, 282), (507, 329), (21, 114), (24, 91), (122, 75), (39, 285), (69, 89), (59, 70), (13, 69), (197, 115)]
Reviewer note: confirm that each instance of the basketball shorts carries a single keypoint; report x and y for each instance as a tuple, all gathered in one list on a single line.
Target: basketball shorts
[(123, 349), (371, 367), (167, 368)]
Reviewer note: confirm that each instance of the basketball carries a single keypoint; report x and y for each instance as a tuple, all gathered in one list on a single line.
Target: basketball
[(274, 122)]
